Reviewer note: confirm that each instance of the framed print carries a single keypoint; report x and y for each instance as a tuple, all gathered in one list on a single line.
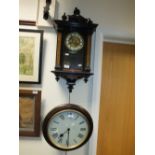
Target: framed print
[(29, 113), (30, 53), (52, 12), (27, 22), (29, 14)]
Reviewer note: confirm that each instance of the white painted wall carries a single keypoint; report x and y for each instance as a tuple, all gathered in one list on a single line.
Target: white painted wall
[(53, 94), (115, 17), (86, 95)]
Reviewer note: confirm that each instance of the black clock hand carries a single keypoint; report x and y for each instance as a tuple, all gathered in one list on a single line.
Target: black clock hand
[(60, 138), (67, 142), (62, 134)]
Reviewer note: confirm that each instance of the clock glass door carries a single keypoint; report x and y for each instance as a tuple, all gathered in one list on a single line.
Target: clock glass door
[(73, 51)]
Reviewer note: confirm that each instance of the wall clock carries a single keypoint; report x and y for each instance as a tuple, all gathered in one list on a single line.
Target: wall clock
[(67, 127), (74, 33)]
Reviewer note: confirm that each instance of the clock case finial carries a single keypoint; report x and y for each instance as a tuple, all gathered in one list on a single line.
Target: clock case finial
[(68, 24)]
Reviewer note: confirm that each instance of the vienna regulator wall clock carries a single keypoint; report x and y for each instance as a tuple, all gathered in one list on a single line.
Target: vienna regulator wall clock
[(73, 48), (69, 126)]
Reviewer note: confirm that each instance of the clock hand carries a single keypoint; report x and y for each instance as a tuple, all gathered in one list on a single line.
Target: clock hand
[(67, 142), (62, 134)]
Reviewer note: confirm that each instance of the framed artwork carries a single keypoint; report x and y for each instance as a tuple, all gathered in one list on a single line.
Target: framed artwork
[(52, 12), (25, 17), (27, 22), (30, 53), (29, 113)]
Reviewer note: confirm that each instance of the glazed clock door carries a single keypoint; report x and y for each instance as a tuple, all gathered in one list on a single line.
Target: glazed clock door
[(73, 51), (116, 121)]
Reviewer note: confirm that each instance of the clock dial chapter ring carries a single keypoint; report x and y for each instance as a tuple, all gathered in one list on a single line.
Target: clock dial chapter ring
[(67, 127), (74, 42)]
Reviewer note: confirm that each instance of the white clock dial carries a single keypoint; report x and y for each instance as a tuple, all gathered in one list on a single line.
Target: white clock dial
[(68, 129)]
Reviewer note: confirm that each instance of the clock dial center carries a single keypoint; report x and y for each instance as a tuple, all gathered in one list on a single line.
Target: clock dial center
[(74, 42)]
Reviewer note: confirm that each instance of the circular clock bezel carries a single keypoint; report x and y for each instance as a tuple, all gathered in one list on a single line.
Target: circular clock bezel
[(72, 49), (62, 108)]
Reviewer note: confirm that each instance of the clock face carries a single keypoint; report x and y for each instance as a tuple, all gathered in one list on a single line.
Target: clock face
[(74, 42), (68, 128)]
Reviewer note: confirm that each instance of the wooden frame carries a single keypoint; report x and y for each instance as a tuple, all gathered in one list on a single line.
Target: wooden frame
[(26, 18), (30, 53), (27, 22), (29, 113)]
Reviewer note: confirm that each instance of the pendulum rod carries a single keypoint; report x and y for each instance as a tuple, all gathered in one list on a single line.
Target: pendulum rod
[(69, 98), (68, 103)]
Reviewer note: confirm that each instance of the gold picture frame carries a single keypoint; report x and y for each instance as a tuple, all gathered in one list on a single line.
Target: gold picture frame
[(29, 113)]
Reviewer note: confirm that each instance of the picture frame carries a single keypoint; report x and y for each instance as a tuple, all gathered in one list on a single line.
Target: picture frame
[(27, 22), (24, 16), (29, 113), (41, 22), (30, 55)]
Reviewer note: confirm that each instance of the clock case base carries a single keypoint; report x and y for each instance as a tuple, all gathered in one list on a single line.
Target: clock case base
[(71, 77)]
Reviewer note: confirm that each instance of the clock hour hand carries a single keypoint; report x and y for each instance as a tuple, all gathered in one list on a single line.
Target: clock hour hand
[(62, 134), (60, 137)]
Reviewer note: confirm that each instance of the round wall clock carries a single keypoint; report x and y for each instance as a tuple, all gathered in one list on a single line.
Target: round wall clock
[(67, 127)]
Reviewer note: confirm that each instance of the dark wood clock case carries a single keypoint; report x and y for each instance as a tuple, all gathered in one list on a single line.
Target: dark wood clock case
[(80, 62)]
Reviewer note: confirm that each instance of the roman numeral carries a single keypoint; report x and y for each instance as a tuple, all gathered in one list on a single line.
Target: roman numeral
[(55, 135), (83, 129), (60, 140), (76, 117), (53, 129), (74, 140), (80, 135), (62, 117), (82, 122), (56, 122), (69, 113)]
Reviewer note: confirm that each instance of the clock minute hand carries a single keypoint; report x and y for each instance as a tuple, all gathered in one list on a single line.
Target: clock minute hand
[(67, 141)]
